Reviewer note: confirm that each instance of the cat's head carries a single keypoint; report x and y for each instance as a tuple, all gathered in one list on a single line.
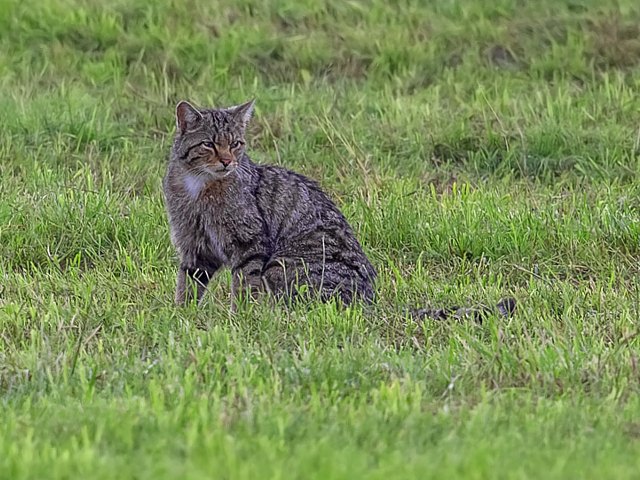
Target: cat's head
[(211, 142)]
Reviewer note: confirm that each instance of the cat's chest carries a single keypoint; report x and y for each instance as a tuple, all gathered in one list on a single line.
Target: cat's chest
[(201, 235), (202, 218), (214, 228), (225, 216), (217, 242), (193, 186)]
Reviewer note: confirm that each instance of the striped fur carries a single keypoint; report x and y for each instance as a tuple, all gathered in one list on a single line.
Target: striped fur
[(275, 229)]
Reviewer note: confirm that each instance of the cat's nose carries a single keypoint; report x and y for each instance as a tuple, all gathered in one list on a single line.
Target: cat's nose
[(225, 161)]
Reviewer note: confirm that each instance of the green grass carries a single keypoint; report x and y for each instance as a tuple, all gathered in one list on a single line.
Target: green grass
[(479, 148)]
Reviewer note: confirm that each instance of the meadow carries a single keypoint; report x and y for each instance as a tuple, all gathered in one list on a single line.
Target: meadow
[(479, 149)]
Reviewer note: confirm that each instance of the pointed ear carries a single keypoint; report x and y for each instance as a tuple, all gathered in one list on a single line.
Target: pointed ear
[(186, 116), (242, 113)]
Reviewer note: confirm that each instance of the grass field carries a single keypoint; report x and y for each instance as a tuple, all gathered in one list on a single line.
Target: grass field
[(479, 149)]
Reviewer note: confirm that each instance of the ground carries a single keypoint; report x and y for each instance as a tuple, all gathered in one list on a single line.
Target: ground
[(480, 149)]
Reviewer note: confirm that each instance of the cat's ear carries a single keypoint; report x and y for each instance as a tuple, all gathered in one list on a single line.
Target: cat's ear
[(186, 116), (242, 113)]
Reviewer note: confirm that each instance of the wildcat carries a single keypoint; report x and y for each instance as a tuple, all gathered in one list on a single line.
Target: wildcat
[(276, 230)]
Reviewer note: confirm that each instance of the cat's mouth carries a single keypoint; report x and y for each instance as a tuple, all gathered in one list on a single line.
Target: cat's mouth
[(226, 170), (218, 171)]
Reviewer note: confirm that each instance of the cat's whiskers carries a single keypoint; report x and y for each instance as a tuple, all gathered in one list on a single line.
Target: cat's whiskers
[(244, 169)]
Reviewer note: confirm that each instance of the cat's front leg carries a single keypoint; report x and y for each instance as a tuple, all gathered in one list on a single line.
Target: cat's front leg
[(192, 281)]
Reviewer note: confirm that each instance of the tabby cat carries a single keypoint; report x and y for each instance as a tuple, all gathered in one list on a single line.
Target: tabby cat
[(276, 229)]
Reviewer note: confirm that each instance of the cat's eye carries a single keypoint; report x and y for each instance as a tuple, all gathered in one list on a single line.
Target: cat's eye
[(208, 145), (236, 144)]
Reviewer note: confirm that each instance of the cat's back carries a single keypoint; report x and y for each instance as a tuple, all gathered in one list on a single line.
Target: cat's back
[(304, 221), (295, 201)]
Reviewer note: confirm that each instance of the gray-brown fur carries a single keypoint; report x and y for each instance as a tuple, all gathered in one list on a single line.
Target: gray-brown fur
[(275, 229)]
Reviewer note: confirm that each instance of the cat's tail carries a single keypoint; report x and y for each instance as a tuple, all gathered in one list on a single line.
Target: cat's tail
[(504, 308)]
